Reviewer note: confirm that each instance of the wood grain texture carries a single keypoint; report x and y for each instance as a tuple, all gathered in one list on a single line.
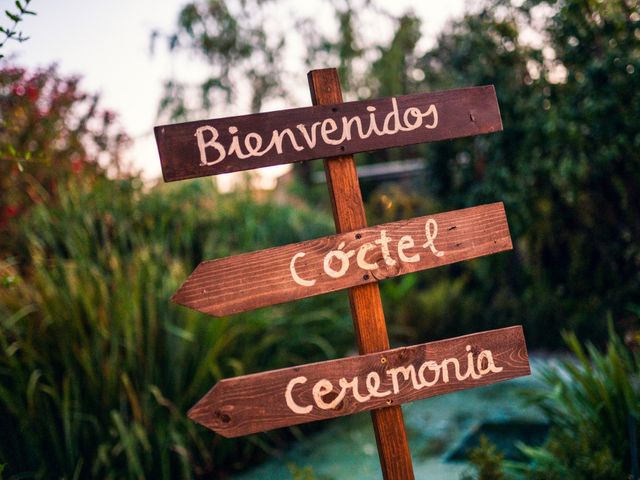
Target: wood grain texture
[(256, 403), (257, 279), (462, 112), (366, 305)]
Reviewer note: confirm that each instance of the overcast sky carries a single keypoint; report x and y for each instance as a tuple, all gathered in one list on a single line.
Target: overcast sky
[(107, 43)]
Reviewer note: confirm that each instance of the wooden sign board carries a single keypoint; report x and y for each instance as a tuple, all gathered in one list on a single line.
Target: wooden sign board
[(264, 401), (356, 258), (275, 275), (212, 147)]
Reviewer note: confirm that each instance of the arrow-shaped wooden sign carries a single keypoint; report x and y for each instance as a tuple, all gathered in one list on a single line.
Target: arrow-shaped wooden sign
[(275, 275), (290, 396), (212, 147)]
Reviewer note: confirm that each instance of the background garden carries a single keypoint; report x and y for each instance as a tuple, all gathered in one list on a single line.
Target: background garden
[(97, 368)]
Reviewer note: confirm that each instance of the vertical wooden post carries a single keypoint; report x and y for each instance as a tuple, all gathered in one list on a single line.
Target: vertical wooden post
[(366, 305)]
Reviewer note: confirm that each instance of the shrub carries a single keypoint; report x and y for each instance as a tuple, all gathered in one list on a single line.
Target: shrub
[(97, 368), (592, 404), (487, 461)]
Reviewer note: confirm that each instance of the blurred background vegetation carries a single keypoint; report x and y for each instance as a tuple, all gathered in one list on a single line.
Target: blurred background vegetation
[(97, 368)]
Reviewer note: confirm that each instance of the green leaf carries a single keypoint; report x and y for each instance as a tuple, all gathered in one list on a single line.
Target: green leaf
[(12, 16)]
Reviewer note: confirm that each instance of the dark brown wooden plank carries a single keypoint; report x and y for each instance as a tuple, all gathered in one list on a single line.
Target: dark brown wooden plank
[(280, 274), (366, 304), (264, 401), (206, 147)]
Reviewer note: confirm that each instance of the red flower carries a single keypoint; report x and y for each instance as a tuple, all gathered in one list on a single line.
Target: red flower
[(18, 89), (32, 92), (11, 211), (77, 166)]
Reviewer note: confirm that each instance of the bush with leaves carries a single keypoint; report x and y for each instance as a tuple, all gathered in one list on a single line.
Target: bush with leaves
[(591, 401), (50, 130), (487, 462), (98, 368), (592, 404), (11, 32)]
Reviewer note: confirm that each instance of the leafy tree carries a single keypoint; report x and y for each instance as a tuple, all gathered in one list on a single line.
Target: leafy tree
[(244, 44), (15, 17), (235, 41), (50, 130), (566, 165)]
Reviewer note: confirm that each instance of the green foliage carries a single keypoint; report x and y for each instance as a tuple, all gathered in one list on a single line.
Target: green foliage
[(567, 76), (11, 31), (235, 41), (305, 473), (566, 165), (487, 462), (391, 71), (590, 401), (97, 368), (298, 473), (50, 130)]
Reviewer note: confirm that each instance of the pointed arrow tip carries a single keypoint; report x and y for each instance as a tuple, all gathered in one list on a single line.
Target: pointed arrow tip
[(185, 296), (211, 413)]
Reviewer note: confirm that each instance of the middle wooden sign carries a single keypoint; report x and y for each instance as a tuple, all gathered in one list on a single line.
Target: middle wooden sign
[(281, 274)]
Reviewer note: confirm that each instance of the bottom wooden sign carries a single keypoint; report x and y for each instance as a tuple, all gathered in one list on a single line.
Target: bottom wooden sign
[(279, 398)]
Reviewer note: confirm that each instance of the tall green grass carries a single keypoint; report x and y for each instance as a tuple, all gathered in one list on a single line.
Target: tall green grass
[(593, 406), (592, 403), (97, 368)]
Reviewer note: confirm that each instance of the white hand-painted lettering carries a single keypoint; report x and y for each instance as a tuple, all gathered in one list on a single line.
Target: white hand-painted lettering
[(402, 377), (373, 385), (404, 243), (342, 257), (202, 145), (431, 234), (336, 262), (296, 278), (311, 140), (383, 241), (431, 111), (320, 389), (329, 126), (362, 262), (293, 406), (332, 132)]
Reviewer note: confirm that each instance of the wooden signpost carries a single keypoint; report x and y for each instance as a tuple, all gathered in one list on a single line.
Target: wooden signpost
[(317, 391), (281, 274), (380, 379), (212, 147)]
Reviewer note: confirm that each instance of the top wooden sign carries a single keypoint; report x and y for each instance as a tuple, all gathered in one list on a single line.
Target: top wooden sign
[(212, 147)]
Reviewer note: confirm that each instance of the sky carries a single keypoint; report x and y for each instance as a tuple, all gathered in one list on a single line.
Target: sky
[(107, 43)]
